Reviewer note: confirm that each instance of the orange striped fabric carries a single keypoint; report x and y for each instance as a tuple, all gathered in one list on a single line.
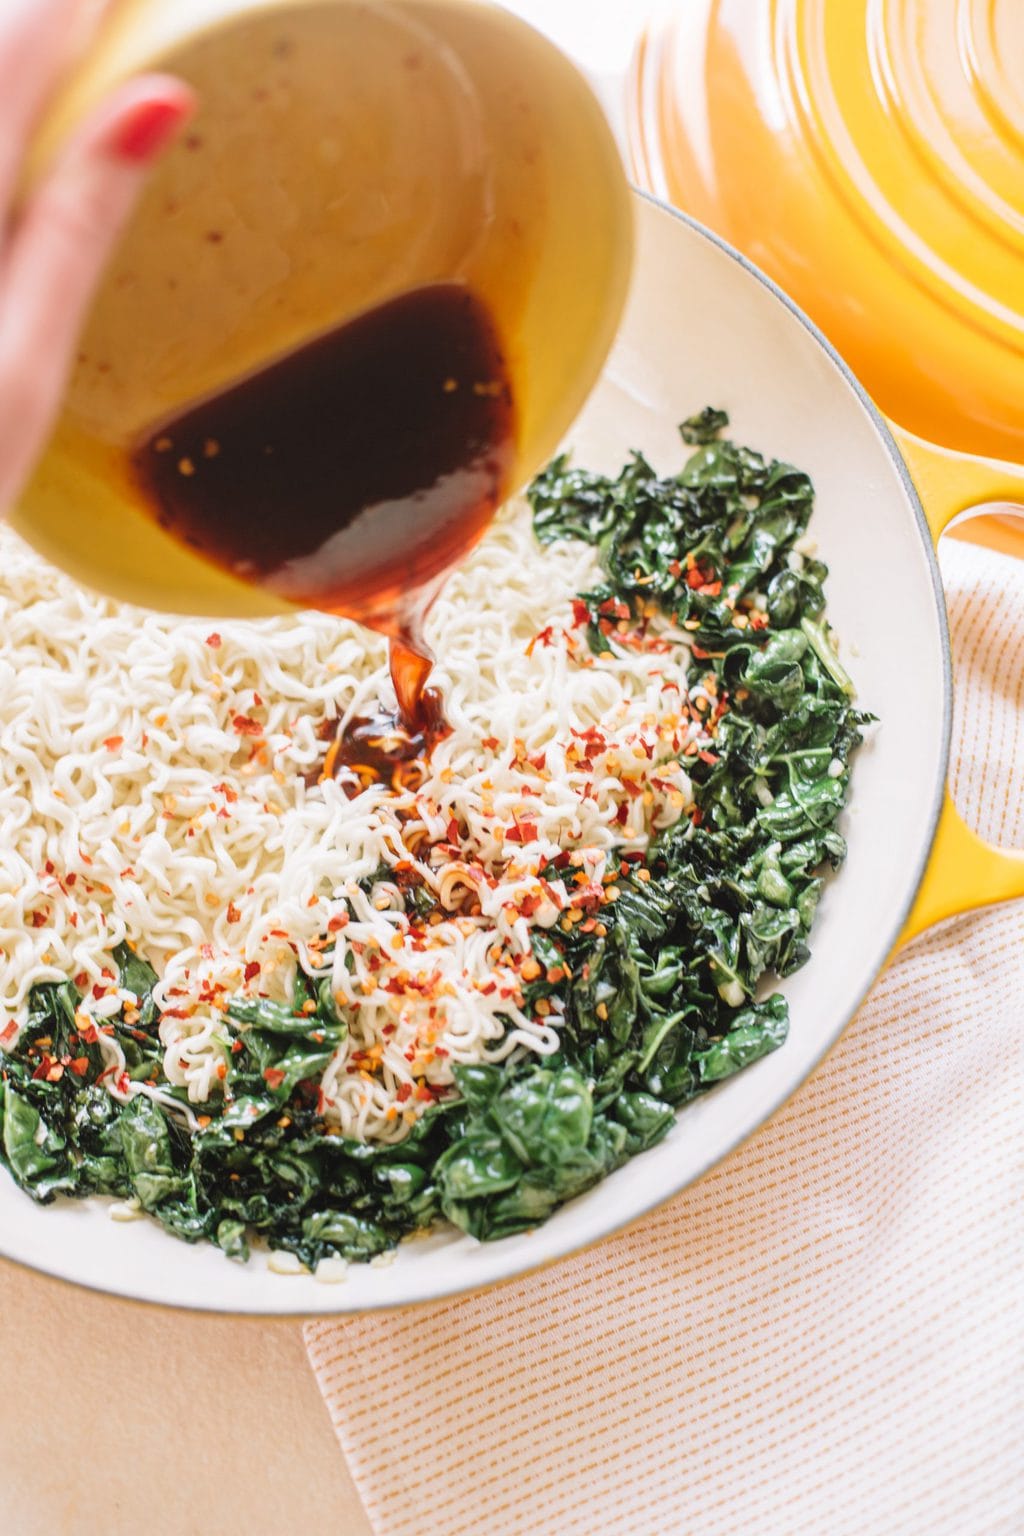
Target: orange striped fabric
[(824, 1335)]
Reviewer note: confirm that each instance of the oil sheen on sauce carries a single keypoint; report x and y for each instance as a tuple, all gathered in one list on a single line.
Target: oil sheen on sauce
[(349, 476)]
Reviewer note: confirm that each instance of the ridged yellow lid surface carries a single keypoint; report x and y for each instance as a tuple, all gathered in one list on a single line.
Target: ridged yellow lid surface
[(869, 155)]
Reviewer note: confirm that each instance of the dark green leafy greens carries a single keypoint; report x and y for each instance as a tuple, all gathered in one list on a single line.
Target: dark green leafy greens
[(261, 1164), (662, 997)]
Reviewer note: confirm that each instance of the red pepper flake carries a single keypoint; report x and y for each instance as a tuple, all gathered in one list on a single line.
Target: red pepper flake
[(214, 641), (452, 830), (622, 814), (79, 1066), (236, 1046), (580, 613), (252, 970), (490, 743), (542, 638), (522, 832), (113, 742), (123, 1083), (90, 1034), (39, 919), (758, 620), (273, 1077), (675, 569), (8, 1032), (336, 924), (233, 913), (707, 757), (404, 1092), (245, 725), (257, 701)]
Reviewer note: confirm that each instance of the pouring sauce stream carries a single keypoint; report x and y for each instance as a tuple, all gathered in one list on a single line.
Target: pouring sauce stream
[(348, 476)]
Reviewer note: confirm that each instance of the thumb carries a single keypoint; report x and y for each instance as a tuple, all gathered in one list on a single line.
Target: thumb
[(60, 247)]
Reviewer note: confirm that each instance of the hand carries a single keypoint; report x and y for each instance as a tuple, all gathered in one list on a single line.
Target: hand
[(54, 247)]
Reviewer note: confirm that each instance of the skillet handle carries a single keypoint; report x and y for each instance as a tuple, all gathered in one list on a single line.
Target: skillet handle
[(964, 871), (949, 483)]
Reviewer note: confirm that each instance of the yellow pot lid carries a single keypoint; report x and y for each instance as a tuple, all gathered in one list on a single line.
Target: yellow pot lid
[(869, 155)]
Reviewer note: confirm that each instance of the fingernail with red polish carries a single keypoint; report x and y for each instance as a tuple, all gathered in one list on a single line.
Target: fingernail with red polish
[(148, 129)]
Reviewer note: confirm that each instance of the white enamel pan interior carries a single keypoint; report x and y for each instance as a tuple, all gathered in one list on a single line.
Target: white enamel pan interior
[(702, 327)]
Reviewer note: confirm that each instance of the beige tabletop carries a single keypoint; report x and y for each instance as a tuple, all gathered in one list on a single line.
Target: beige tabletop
[(117, 1419)]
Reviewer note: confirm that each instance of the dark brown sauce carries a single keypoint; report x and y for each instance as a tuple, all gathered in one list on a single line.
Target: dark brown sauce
[(380, 749), (349, 476)]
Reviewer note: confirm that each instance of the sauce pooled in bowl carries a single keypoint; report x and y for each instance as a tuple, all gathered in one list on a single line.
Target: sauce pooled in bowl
[(349, 476)]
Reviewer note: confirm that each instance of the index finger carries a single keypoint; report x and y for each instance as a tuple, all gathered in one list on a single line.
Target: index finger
[(37, 40)]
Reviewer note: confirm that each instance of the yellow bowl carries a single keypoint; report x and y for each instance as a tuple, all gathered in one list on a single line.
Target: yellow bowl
[(344, 153)]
